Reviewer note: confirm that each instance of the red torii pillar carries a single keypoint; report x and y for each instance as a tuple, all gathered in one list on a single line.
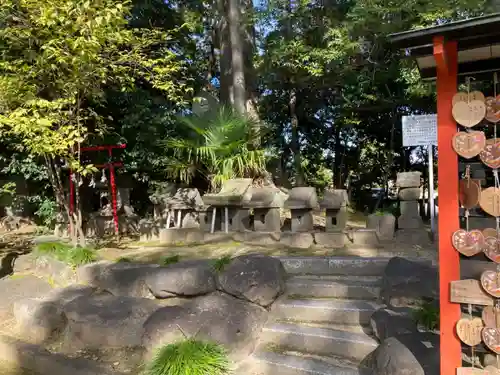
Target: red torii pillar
[(111, 165), (446, 56)]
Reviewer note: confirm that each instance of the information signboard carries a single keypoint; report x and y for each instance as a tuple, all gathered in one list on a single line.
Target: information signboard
[(419, 130)]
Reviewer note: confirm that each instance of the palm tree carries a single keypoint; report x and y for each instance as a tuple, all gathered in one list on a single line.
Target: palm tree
[(217, 146)]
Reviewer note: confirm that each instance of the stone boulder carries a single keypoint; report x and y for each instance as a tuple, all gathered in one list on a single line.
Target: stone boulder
[(218, 317), (387, 323), (410, 354), (119, 279), (46, 267), (257, 278), (409, 283), (39, 321), (189, 278), (106, 321)]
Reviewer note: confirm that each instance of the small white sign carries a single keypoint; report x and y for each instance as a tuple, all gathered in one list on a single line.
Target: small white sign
[(419, 130)]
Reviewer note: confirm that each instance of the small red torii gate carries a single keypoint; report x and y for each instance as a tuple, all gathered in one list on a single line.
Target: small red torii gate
[(111, 165), (447, 53)]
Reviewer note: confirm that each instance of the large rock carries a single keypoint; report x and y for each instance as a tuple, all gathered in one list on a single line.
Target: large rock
[(46, 267), (190, 278), (409, 283), (218, 317), (42, 319), (411, 354), (256, 278), (386, 323), (38, 320), (120, 279), (106, 321)]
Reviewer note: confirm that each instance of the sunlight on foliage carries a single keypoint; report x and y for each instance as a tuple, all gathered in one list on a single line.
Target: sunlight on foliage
[(191, 357), (73, 256), (217, 146)]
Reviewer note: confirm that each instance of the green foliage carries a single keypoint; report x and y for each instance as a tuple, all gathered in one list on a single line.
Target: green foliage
[(74, 256), (428, 316), (168, 260), (220, 264), (191, 357), (47, 212), (123, 260), (216, 146), (76, 50)]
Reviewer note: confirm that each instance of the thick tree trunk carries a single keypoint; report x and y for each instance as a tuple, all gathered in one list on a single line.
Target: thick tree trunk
[(295, 143), (226, 81), (238, 63)]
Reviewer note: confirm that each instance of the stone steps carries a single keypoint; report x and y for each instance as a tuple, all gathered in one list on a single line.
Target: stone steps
[(349, 312), (347, 287), (289, 363), (321, 325), (347, 266), (318, 340)]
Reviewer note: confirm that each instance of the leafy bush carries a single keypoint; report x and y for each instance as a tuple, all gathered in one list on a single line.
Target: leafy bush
[(74, 256), (165, 261), (191, 357), (220, 264), (428, 316), (47, 211)]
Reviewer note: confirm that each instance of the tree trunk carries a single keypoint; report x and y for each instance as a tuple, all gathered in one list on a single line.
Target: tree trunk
[(54, 173), (295, 143), (226, 82), (238, 64), (337, 172)]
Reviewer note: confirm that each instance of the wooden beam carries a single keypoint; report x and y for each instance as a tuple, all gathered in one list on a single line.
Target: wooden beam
[(446, 57)]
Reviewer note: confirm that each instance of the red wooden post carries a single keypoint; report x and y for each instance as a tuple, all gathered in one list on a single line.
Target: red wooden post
[(445, 54), (113, 191)]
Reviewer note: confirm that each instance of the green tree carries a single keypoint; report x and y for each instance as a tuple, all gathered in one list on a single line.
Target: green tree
[(58, 56)]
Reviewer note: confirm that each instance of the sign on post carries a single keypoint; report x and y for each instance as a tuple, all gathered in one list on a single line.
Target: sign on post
[(420, 130)]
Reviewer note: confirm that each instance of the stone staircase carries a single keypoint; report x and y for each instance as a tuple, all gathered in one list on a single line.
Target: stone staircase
[(321, 325)]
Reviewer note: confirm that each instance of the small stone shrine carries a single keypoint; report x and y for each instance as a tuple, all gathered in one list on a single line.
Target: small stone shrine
[(183, 208), (409, 194), (301, 202), (266, 203), (233, 195), (162, 193), (335, 204)]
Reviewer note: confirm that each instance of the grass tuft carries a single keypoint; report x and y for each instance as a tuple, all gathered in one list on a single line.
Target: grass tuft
[(74, 256), (220, 264), (166, 261), (191, 357), (123, 260)]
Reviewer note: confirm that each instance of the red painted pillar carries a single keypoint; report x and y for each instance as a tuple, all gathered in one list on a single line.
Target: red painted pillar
[(113, 190), (445, 54)]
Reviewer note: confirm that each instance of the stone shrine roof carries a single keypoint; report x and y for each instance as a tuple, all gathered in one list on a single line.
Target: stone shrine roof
[(301, 198), (334, 199), (234, 192), (265, 197)]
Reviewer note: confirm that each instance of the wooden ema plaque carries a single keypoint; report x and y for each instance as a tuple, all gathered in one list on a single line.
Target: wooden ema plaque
[(477, 371), (469, 292)]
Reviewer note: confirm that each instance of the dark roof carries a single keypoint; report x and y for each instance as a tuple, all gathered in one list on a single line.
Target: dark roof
[(478, 41)]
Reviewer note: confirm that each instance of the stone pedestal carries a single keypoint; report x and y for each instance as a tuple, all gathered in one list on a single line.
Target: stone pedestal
[(336, 219), (302, 220), (266, 219), (384, 225), (301, 202), (409, 194), (335, 204)]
